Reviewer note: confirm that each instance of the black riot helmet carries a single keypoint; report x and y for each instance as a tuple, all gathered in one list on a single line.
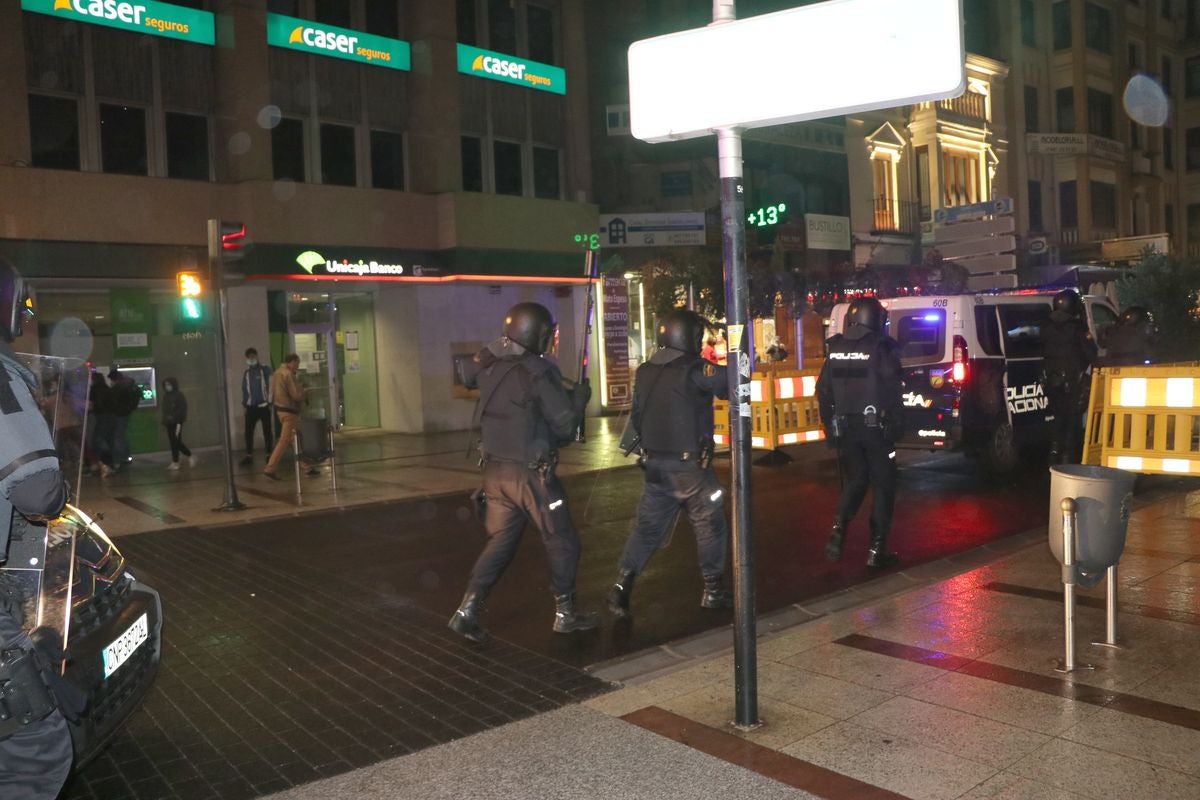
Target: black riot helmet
[(682, 329), (865, 314), (1137, 316), (14, 301), (530, 325), (1068, 304)]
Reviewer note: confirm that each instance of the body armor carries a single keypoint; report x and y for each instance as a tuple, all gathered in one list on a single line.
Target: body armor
[(854, 370), (513, 429), (676, 417)]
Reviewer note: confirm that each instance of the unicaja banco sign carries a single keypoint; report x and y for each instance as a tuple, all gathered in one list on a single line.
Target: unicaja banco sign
[(143, 16), (510, 69), (314, 263), (329, 40)]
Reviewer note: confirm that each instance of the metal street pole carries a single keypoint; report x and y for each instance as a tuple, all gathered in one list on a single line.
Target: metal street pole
[(733, 245), (217, 284)]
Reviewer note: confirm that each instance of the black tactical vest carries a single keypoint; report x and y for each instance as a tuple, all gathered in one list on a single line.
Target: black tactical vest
[(512, 425), (676, 417), (854, 369)]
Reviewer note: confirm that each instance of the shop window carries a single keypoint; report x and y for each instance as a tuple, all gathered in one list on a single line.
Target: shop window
[(465, 18), (339, 167), (1064, 109), (123, 139), (1193, 149), (287, 150), (332, 12), (545, 173), (54, 131), (1028, 23), (539, 24), (502, 26), (383, 18), (1100, 113), (387, 160), (1104, 205), (1068, 204), (506, 163), (1031, 109), (1097, 28), (960, 178), (187, 146), (1061, 13), (924, 195), (472, 164), (1036, 223)]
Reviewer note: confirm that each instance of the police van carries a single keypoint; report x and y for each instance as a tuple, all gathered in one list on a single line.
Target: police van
[(973, 369)]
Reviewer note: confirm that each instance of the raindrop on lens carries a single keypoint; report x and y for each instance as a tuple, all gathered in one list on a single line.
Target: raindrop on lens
[(71, 338), (269, 116), (1145, 101), (239, 143)]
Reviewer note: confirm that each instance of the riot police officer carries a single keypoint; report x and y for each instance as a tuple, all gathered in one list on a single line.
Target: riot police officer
[(35, 745), (1131, 340), (525, 415), (859, 391), (1069, 353), (672, 426)]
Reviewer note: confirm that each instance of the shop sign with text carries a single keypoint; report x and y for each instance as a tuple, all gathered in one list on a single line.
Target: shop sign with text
[(618, 378), (329, 40), (510, 69), (142, 16), (314, 263)]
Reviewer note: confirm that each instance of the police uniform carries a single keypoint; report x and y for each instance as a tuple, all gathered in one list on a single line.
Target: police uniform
[(1130, 342), (859, 391), (525, 415), (35, 744), (1069, 352)]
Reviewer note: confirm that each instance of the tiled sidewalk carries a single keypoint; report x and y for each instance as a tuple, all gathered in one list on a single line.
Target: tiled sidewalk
[(949, 691)]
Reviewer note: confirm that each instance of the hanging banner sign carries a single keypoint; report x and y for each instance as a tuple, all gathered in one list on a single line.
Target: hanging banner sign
[(329, 40), (510, 69), (614, 323), (143, 16)]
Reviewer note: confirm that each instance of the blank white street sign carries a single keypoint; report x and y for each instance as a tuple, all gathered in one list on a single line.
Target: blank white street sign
[(816, 61), (979, 229), (978, 247), (977, 265)]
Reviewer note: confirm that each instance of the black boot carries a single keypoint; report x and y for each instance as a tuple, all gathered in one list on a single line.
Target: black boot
[(833, 549), (466, 620), (877, 555), (618, 595), (568, 620), (715, 594)]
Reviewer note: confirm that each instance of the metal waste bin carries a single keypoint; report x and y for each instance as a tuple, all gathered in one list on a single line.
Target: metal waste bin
[(1103, 496)]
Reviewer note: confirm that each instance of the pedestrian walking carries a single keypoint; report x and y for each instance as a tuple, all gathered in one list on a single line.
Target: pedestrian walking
[(1069, 355), (860, 395), (104, 424), (35, 744), (526, 415), (174, 414), (1131, 340), (288, 397), (256, 400), (124, 397), (671, 425)]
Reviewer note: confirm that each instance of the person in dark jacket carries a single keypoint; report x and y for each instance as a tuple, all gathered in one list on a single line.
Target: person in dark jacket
[(1131, 340), (124, 395), (100, 403), (174, 414), (256, 400), (526, 415), (860, 392), (1069, 355), (671, 426)]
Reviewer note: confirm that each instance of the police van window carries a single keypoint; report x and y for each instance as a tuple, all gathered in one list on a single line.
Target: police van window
[(921, 333), (1022, 326), (987, 330)]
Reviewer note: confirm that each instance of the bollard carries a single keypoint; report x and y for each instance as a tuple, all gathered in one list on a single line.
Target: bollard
[(1110, 610), (1069, 520)]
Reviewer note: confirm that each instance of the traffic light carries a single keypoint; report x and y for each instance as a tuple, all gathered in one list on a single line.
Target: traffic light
[(191, 295), (226, 241)]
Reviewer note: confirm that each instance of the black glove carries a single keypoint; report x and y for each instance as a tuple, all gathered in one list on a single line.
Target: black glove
[(581, 394)]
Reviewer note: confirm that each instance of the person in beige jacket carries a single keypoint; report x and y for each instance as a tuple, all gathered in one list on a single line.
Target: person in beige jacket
[(288, 396)]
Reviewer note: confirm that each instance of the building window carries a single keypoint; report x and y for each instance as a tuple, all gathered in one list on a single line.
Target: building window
[(187, 146), (1168, 149), (1135, 57), (1191, 77), (1031, 109), (1100, 113), (545, 173), (382, 18), (1193, 18), (1061, 13), (960, 178), (502, 26), (1068, 205), (332, 12), (1064, 105), (289, 8), (1165, 9), (507, 168), (339, 166), (1169, 222), (1193, 223), (465, 18), (1035, 206), (1104, 206), (886, 211), (123, 139), (539, 24), (472, 164), (387, 160), (1135, 135), (1028, 23), (1097, 28), (54, 131), (1192, 156), (287, 151), (924, 196), (1166, 74)]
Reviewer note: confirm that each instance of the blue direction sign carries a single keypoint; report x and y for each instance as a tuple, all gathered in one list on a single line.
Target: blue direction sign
[(1001, 205)]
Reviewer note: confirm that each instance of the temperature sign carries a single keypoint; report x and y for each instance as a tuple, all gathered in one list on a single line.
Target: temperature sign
[(589, 240), (766, 216)]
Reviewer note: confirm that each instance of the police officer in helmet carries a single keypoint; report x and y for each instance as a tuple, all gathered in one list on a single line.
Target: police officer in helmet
[(672, 426), (35, 745), (860, 390), (1069, 355), (1131, 340), (525, 415)]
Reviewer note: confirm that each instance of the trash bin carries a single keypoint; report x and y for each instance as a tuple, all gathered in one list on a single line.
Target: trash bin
[(1102, 496)]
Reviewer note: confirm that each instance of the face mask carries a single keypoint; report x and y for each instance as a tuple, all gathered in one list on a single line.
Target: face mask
[(169, 387), (251, 362)]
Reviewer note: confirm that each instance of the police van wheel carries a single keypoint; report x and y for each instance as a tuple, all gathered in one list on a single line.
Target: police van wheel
[(1000, 454)]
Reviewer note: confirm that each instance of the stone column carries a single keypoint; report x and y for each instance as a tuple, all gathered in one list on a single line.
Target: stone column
[(242, 83), (434, 154)]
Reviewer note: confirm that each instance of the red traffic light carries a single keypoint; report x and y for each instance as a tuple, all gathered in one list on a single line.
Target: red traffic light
[(233, 240)]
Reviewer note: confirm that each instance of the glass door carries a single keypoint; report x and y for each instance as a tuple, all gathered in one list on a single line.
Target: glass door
[(318, 374)]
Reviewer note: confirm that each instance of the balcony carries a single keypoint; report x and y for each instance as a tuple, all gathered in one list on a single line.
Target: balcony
[(967, 104), (896, 217)]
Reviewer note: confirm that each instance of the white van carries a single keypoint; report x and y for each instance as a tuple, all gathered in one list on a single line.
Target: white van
[(973, 369)]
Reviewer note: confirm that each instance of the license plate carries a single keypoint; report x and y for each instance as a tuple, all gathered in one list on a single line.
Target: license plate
[(122, 648)]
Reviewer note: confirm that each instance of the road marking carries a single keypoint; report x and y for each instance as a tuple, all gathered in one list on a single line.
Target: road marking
[(1138, 609), (165, 517)]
